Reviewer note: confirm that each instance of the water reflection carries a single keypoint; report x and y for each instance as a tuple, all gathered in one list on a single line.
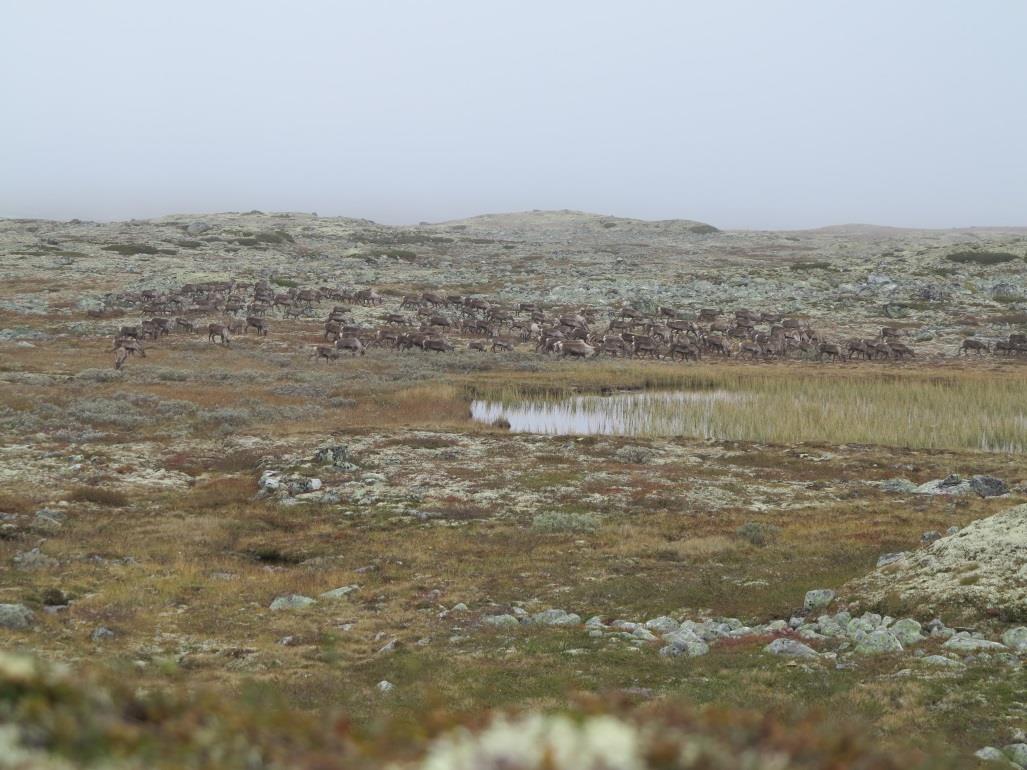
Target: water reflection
[(657, 413)]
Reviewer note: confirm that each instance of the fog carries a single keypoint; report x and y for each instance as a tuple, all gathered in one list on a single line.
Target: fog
[(742, 114)]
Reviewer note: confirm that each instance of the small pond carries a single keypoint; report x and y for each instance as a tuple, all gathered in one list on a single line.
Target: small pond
[(644, 413)]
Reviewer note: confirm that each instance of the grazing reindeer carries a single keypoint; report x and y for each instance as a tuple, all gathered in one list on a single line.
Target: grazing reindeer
[(257, 323), (352, 344), (218, 330), (327, 352)]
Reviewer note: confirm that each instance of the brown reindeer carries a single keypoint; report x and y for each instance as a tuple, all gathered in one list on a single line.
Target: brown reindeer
[(352, 344), (218, 330), (975, 345), (257, 323), (828, 349), (327, 352), (438, 344), (574, 349)]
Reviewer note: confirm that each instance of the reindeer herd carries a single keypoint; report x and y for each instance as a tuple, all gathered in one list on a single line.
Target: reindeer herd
[(436, 322)]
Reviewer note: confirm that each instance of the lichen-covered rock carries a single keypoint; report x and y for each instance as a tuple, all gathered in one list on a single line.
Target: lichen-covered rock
[(15, 617), (988, 486), (907, 631), (684, 642), (790, 648), (291, 602), (817, 599), (934, 578), (556, 618), (1016, 639), (964, 643), (500, 621), (879, 642)]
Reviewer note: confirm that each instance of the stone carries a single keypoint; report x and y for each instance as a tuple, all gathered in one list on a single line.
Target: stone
[(644, 634), (968, 644), (890, 558), (988, 486), (684, 642), (35, 559), (898, 485), (197, 227), (817, 599), (952, 485), (990, 754), (16, 617), (940, 661), (930, 536), (339, 593), (1017, 753), (101, 633), (556, 618), (385, 686), (790, 648), (337, 455), (291, 602), (907, 631), (879, 642), (500, 621), (1016, 639), (460, 607)]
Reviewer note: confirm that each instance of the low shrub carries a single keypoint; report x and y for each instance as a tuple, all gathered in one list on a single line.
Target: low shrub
[(981, 257), (759, 535), (558, 521), (99, 495)]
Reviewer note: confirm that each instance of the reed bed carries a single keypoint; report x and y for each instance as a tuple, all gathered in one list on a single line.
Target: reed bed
[(914, 408)]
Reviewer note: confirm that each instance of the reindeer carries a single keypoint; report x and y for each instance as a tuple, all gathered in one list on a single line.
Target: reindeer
[(574, 348), (257, 323), (828, 349), (438, 344), (685, 350), (220, 331), (352, 344), (976, 345), (327, 352)]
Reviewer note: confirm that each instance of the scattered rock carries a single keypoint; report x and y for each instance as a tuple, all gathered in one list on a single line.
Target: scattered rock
[(817, 599), (197, 227), (500, 621), (556, 618), (990, 754), (898, 485), (1017, 753), (790, 648), (952, 485), (35, 559), (684, 642), (964, 643), (101, 633), (385, 686), (890, 558), (291, 602), (879, 642), (15, 617), (988, 486), (1016, 639), (907, 631), (929, 537), (663, 625)]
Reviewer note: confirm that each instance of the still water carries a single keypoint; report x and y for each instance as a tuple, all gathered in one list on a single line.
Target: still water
[(646, 413)]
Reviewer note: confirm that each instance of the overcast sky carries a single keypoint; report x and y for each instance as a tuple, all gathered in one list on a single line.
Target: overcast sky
[(747, 113)]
